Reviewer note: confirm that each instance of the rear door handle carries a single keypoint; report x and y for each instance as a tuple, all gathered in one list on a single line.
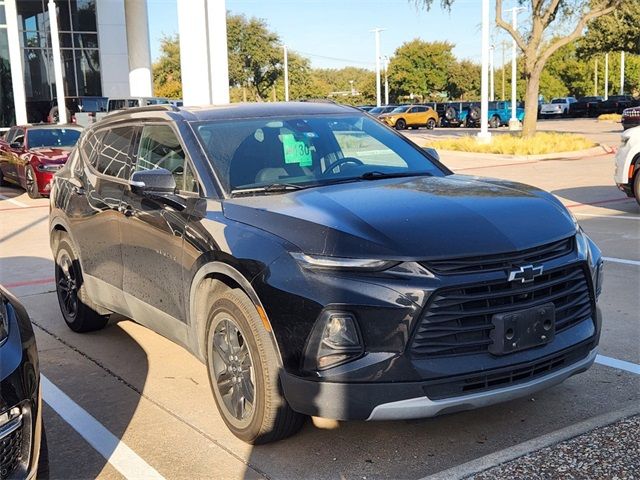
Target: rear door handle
[(78, 190), (126, 210)]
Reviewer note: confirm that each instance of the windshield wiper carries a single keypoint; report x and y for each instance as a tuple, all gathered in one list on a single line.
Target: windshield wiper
[(375, 175), (271, 188)]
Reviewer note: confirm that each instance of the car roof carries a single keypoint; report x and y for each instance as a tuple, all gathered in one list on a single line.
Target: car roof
[(47, 126)]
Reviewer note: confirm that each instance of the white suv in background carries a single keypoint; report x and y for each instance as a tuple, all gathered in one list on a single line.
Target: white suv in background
[(558, 106), (627, 174)]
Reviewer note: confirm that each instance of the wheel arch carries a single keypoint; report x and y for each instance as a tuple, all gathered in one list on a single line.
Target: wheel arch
[(206, 281)]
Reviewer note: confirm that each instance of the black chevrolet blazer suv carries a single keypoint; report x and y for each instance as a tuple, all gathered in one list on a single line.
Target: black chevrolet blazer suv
[(319, 263)]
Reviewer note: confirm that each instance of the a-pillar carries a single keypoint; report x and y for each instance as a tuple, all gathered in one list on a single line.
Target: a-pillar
[(140, 78)]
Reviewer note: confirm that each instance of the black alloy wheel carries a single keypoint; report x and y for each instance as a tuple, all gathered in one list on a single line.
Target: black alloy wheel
[(31, 183), (67, 286), (401, 124)]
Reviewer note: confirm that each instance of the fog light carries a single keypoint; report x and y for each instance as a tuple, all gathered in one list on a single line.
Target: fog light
[(334, 340)]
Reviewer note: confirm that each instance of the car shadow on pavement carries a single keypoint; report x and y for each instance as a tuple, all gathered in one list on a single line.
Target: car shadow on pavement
[(83, 366), (602, 196)]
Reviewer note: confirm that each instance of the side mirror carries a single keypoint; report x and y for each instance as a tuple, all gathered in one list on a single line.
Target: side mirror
[(432, 152), (159, 180), (15, 145)]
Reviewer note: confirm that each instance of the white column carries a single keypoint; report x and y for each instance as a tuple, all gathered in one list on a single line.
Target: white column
[(606, 76), (15, 60), (378, 82), (386, 80), (140, 78), (218, 53), (595, 79), (514, 69), (203, 51), (621, 73), (57, 62), (286, 73), (484, 134)]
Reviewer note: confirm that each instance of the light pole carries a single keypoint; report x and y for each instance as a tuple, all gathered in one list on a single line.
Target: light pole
[(595, 79), (514, 124), (286, 73), (492, 90), (386, 80), (57, 62), (377, 31), (621, 73), (484, 135), (353, 90), (606, 76)]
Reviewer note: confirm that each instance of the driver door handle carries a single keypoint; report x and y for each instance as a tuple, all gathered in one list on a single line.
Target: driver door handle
[(126, 210), (78, 190)]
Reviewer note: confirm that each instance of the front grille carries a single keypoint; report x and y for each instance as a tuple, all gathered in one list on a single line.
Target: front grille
[(503, 261), (10, 453), (457, 321), (479, 382)]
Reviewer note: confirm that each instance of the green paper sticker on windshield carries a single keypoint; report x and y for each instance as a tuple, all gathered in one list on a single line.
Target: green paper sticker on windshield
[(296, 151)]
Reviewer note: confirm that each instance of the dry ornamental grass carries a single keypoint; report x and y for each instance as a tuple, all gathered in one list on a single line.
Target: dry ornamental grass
[(507, 144)]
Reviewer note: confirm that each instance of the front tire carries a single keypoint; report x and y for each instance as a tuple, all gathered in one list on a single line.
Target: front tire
[(494, 122), (401, 124), (32, 183), (244, 372), (79, 312), (636, 187)]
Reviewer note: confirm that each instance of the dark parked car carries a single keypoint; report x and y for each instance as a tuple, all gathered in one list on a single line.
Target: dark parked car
[(630, 117), (320, 263), (616, 104), (23, 446), (585, 107), (377, 111), (30, 155)]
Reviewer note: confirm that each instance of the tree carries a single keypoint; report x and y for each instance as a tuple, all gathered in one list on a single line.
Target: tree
[(619, 31), (463, 82), (420, 68), (572, 16), (166, 71)]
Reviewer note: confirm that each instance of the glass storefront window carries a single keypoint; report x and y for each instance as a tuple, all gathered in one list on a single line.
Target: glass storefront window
[(7, 108)]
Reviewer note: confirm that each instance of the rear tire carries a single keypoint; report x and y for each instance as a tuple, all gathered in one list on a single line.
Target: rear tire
[(80, 313), (401, 124), (431, 124), (636, 187), (494, 122), (32, 183), (244, 370)]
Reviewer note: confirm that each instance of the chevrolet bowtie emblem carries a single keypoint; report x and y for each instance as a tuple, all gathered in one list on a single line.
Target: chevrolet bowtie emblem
[(525, 274)]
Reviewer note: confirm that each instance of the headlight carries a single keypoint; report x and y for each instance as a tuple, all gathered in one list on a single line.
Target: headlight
[(4, 322), (316, 262), (48, 167)]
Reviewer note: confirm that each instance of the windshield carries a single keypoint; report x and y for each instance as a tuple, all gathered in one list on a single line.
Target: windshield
[(400, 109), (307, 151), (52, 137), (377, 110), (558, 100)]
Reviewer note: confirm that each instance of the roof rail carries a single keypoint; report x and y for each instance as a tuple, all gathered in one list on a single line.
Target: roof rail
[(162, 107)]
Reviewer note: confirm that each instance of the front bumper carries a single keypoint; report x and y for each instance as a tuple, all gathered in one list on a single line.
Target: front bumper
[(409, 400), (19, 393)]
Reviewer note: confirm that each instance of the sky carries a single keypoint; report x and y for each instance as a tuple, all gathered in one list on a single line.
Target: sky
[(336, 33)]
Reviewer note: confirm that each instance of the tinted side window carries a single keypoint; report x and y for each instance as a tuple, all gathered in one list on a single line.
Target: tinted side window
[(18, 137), (91, 147), (160, 148), (114, 159)]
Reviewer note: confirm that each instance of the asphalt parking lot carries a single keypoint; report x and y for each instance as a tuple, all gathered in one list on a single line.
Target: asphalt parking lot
[(125, 402)]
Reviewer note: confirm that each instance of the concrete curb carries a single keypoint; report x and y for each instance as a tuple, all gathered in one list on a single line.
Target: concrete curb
[(481, 464), (578, 154)]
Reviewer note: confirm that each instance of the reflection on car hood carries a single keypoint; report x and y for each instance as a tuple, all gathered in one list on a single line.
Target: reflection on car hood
[(403, 218), (52, 154)]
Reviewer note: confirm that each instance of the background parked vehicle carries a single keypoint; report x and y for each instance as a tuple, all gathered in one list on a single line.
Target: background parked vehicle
[(627, 172), (411, 116), (616, 104), (585, 107), (88, 106), (452, 114), (500, 113), (557, 107), (213, 227), (23, 444), (630, 117), (30, 155), (377, 111)]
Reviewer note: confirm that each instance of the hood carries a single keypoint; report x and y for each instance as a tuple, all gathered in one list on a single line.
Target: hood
[(402, 219), (52, 154)]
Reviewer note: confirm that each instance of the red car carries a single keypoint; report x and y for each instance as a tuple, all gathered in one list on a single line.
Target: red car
[(31, 154)]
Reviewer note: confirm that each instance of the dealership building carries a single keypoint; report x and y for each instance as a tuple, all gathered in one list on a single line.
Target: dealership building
[(103, 50)]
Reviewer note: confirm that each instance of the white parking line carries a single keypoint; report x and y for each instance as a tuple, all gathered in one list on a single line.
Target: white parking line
[(619, 364), (119, 455), (623, 260), (622, 217), (15, 202)]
